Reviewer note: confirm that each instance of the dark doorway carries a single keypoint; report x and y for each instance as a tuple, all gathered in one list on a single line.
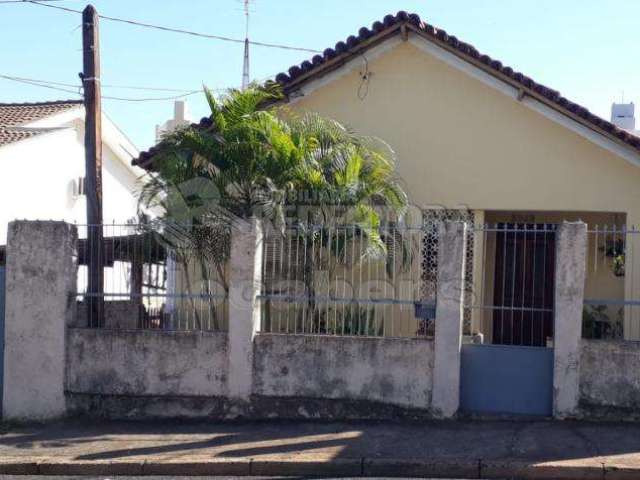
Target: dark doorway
[(524, 284)]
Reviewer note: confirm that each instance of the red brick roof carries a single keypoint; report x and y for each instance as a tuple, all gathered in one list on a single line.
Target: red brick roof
[(396, 24), (391, 25), (13, 117)]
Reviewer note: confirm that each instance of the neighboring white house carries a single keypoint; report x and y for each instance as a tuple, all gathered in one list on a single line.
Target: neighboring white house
[(42, 165)]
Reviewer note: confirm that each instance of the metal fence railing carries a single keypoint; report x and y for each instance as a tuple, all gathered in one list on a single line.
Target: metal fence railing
[(340, 280), (513, 283), (612, 296), (156, 276)]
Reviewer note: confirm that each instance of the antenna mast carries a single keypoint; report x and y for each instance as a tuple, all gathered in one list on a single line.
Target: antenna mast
[(245, 67)]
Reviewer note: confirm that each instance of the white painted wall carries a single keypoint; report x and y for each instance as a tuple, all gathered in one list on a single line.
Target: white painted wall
[(36, 174)]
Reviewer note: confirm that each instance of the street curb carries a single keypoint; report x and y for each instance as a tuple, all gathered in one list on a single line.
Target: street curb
[(75, 467), (307, 466), (527, 470), (340, 467), (198, 467), (389, 467)]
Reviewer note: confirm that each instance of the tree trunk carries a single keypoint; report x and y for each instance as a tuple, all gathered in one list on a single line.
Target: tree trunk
[(187, 279)]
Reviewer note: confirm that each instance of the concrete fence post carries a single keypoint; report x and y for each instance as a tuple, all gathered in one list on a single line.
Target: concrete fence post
[(571, 248), (245, 281), (40, 280), (452, 240)]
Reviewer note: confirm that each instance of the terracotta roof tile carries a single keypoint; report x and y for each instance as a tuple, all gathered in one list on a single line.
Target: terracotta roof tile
[(10, 135), (391, 24), (16, 115)]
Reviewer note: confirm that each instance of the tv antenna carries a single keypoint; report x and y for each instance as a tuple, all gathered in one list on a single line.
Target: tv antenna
[(245, 65)]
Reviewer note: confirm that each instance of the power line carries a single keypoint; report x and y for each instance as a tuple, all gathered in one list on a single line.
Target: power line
[(126, 87), (175, 97), (23, 1), (178, 30), (57, 86), (39, 84)]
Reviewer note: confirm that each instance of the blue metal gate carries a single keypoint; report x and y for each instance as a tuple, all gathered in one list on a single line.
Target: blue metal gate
[(2, 290), (506, 379)]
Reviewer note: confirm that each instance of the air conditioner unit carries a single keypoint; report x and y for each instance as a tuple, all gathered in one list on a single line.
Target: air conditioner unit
[(78, 187)]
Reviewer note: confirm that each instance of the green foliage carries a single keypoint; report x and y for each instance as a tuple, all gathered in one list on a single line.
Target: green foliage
[(258, 160), (597, 322), (615, 249)]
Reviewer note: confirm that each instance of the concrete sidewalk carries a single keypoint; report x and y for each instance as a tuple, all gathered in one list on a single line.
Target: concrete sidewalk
[(488, 449)]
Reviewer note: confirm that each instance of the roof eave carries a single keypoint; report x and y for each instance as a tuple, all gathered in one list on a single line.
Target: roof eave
[(406, 26), (341, 59)]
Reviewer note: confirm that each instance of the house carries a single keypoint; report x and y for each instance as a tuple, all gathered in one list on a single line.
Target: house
[(42, 165), (473, 135), (477, 141)]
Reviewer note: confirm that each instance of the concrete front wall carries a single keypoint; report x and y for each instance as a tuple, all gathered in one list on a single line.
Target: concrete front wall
[(392, 371), (126, 362), (610, 375)]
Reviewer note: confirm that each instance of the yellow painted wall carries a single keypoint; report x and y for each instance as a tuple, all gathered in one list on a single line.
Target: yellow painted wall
[(460, 142)]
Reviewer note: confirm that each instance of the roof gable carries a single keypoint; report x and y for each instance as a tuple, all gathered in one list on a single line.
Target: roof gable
[(402, 24), (15, 118)]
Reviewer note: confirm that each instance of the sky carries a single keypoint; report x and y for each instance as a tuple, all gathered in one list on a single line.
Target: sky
[(589, 50)]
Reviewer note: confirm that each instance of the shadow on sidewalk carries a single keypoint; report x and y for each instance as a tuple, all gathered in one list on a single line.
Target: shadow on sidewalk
[(535, 441)]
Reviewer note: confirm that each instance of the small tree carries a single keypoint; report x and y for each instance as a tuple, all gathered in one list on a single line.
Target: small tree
[(251, 159)]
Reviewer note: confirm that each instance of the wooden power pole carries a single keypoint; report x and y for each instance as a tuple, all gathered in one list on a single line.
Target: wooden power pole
[(93, 165)]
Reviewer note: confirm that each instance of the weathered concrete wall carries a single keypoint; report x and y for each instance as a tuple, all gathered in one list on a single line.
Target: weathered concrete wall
[(40, 278), (452, 243), (129, 362), (610, 378), (393, 371), (571, 248), (245, 281), (117, 315)]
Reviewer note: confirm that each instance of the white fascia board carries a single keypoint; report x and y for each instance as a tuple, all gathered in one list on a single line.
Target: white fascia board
[(62, 119), (120, 145), (123, 149), (36, 138)]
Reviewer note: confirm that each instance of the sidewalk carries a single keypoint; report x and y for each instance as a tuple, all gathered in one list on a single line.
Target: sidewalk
[(489, 449)]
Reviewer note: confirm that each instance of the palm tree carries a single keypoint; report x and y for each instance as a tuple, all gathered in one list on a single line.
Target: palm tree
[(254, 159)]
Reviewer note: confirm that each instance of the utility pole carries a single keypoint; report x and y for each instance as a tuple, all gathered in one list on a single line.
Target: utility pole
[(93, 164)]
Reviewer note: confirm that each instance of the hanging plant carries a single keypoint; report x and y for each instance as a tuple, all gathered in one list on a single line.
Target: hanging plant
[(615, 250)]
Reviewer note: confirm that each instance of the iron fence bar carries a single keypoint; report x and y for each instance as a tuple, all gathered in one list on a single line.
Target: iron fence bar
[(509, 308), (630, 303), (299, 299), (153, 295)]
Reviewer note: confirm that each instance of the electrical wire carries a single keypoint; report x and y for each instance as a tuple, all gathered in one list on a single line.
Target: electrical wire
[(152, 99), (56, 86), (127, 87), (40, 84), (178, 30), (23, 1)]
